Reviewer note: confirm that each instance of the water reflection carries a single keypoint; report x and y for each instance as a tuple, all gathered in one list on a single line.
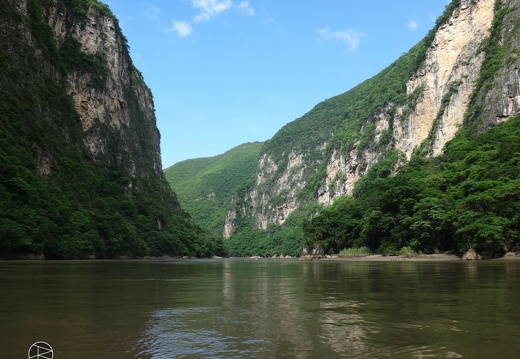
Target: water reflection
[(343, 327), (262, 309), (255, 313), (329, 309)]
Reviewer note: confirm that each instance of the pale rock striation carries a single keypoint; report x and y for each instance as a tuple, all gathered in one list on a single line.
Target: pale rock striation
[(442, 88), (228, 224), (450, 69), (344, 171), (503, 99), (283, 190), (115, 116)]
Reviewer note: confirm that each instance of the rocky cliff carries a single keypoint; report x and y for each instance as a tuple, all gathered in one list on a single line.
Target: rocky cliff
[(121, 110), (415, 106), (443, 83), (82, 173), (498, 95)]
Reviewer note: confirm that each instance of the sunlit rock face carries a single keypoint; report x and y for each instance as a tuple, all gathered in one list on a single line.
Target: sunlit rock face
[(444, 83), (449, 73), (502, 101), (443, 86), (116, 108)]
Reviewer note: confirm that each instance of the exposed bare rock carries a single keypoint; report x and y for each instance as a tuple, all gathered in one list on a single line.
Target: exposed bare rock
[(471, 255), (442, 88), (511, 255), (451, 69), (502, 101), (228, 224), (280, 202), (116, 114)]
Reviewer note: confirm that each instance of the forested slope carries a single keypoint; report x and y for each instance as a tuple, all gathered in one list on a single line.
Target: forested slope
[(351, 152), (80, 167), (205, 186), (468, 197)]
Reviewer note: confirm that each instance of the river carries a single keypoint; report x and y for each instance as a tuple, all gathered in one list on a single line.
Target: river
[(273, 308)]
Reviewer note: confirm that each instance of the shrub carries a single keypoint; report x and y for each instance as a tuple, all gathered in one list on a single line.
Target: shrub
[(355, 252), (408, 252)]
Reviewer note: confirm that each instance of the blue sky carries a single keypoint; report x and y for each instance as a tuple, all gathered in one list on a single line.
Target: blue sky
[(226, 72)]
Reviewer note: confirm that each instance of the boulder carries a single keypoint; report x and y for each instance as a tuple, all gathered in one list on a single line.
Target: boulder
[(511, 255), (317, 250), (471, 255)]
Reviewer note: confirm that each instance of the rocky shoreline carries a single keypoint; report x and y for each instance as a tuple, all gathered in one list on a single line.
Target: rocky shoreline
[(440, 257)]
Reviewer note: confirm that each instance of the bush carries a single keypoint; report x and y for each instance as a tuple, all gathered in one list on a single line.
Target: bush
[(408, 252), (355, 252)]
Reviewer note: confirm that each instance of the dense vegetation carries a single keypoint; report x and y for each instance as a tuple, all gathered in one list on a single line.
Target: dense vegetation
[(205, 186), (469, 197), (275, 241), (56, 200), (466, 198), (337, 122), (59, 201), (341, 122)]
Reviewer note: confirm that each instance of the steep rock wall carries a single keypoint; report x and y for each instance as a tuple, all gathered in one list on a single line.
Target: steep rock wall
[(343, 171), (79, 154), (445, 81), (501, 96), (280, 202), (443, 85), (448, 75), (118, 118)]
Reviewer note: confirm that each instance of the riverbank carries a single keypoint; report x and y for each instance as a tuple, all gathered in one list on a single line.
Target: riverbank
[(382, 258), (440, 257)]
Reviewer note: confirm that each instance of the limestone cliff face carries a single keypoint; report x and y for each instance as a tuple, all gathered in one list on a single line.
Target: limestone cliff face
[(80, 160), (450, 71), (445, 82), (441, 87), (115, 106), (118, 116), (280, 202), (501, 99)]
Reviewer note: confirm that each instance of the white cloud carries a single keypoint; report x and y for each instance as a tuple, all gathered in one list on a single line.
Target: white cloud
[(268, 20), (349, 37), (246, 9), (412, 25), (209, 8), (182, 28), (151, 12)]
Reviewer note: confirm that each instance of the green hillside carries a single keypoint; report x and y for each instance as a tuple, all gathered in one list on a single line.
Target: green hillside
[(338, 122), (57, 201), (448, 203), (469, 197), (342, 120), (205, 186)]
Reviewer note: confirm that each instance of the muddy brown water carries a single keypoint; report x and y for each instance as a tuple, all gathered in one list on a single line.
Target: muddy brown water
[(236, 308)]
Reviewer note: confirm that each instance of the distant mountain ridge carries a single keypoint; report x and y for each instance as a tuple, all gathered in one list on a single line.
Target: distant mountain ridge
[(206, 186), (462, 76)]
